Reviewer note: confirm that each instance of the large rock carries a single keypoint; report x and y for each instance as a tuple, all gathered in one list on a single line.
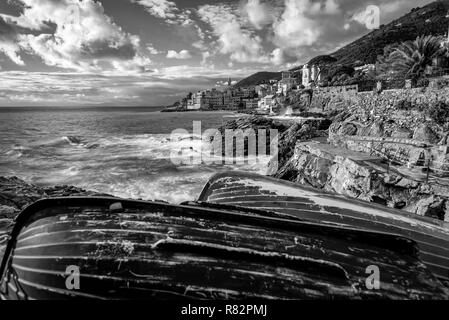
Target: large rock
[(402, 133), (426, 134), (347, 129), (17, 194), (377, 129), (304, 131), (290, 132), (355, 175), (7, 212), (256, 123), (432, 206)]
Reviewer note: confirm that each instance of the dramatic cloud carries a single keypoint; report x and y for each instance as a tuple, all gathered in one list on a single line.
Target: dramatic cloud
[(73, 89), (278, 57), (259, 14), (166, 10), (8, 45), (74, 34), (107, 49), (241, 44), (181, 55), (299, 25)]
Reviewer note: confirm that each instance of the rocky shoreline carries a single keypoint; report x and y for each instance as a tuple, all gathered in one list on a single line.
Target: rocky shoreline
[(371, 147)]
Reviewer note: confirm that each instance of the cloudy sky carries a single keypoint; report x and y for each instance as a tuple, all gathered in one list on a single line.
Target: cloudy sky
[(151, 52)]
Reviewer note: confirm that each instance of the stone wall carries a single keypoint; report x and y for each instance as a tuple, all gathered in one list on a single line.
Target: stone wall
[(394, 124), (378, 104)]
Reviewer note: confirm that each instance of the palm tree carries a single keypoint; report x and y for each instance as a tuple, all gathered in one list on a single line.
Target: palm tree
[(410, 59)]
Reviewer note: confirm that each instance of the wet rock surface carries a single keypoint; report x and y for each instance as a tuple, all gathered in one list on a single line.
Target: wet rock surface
[(288, 132)]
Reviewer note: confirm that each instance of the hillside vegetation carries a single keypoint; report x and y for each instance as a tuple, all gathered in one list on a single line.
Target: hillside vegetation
[(429, 20), (258, 78)]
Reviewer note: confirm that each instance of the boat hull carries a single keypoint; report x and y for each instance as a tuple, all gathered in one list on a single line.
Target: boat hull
[(294, 201), (143, 250)]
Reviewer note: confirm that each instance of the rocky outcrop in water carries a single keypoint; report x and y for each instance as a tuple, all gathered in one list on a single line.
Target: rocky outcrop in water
[(16, 194), (290, 131), (256, 124)]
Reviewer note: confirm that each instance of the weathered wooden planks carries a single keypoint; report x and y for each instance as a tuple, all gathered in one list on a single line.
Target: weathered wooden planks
[(262, 193), (158, 251)]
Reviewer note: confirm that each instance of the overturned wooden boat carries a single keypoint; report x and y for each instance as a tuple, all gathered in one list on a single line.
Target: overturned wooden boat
[(242, 190), (105, 248)]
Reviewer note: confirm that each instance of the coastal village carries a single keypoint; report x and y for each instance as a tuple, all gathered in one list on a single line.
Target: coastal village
[(261, 98), (272, 97)]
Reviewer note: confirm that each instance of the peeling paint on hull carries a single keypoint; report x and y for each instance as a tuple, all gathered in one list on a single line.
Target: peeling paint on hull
[(158, 251)]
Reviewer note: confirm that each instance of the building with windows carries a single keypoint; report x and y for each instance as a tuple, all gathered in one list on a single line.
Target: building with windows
[(251, 104), (230, 99), (266, 103), (287, 83)]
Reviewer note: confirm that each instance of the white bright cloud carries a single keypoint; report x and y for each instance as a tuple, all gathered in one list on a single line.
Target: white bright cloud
[(181, 55), (84, 36), (166, 10), (278, 57), (259, 14), (152, 50), (301, 24), (241, 44)]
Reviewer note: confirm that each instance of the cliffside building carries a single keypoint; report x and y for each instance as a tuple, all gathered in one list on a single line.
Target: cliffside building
[(310, 74), (266, 103)]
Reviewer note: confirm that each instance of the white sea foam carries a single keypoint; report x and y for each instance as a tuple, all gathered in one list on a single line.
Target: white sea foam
[(116, 153), (140, 167)]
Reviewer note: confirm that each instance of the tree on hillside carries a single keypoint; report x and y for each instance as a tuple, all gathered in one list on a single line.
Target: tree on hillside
[(383, 67), (322, 60), (410, 59), (338, 74), (324, 64)]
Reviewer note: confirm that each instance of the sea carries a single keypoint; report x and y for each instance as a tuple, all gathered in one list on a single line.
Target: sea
[(124, 152)]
